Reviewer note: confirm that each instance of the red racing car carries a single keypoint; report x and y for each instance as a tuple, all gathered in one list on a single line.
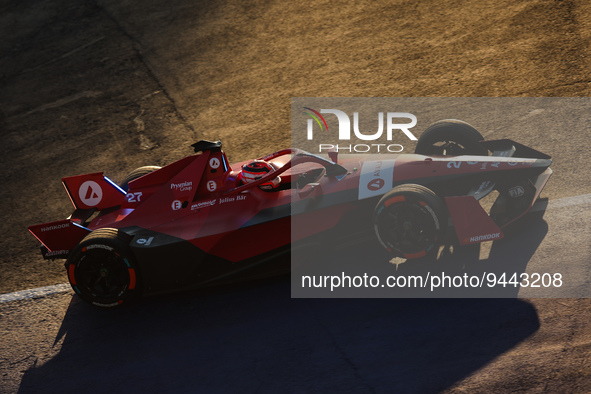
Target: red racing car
[(202, 221)]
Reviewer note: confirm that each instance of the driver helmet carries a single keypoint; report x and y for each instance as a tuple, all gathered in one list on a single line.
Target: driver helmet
[(255, 170)]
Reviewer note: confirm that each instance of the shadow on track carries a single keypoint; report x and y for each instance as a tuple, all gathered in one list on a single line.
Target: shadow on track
[(258, 339)]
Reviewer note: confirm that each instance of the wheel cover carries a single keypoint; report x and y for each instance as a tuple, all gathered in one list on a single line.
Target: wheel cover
[(409, 228), (102, 275)]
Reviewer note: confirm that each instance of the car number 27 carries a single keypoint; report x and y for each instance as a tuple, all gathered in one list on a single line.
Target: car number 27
[(134, 197)]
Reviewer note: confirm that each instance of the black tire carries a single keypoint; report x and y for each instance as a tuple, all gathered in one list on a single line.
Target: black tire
[(451, 137), (135, 174), (102, 270), (410, 221)]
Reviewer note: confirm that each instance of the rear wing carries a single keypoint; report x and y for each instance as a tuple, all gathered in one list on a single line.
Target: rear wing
[(93, 191), (89, 193), (58, 238)]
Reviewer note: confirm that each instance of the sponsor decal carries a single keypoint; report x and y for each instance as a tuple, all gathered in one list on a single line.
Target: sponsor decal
[(484, 164), (90, 193), (144, 241), (203, 204), (483, 186), (212, 186), (394, 121), (231, 199), (57, 253), (516, 191), (376, 178), (176, 205), (107, 305), (98, 246), (486, 237), (56, 227), (214, 163), (434, 216), (458, 164), (182, 187), (376, 184)]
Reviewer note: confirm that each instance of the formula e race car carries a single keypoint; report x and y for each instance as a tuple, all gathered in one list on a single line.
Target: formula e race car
[(200, 221)]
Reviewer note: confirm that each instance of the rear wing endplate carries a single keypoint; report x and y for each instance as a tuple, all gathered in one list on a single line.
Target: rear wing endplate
[(58, 238), (93, 191)]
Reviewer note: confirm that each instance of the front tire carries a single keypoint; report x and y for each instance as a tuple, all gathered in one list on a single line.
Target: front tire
[(451, 137), (410, 221), (102, 270)]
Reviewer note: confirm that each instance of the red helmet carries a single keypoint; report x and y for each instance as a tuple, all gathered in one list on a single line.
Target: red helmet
[(255, 170)]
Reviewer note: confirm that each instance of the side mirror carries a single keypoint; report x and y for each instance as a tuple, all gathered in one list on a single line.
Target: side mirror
[(333, 154)]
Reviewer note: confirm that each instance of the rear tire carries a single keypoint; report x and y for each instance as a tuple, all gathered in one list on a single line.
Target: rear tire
[(410, 221), (450, 137), (102, 270), (137, 173)]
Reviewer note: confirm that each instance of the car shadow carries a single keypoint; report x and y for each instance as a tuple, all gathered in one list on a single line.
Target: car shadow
[(256, 338)]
